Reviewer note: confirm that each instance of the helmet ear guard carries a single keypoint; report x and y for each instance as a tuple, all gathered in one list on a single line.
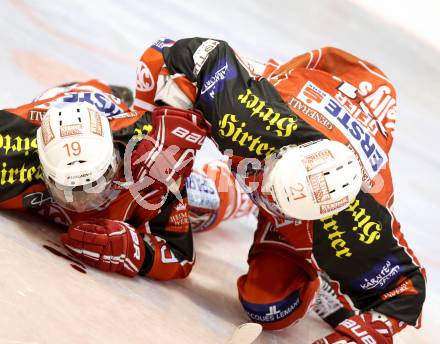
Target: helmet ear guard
[(313, 180)]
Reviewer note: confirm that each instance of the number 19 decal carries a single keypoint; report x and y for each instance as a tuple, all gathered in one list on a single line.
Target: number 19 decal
[(73, 149)]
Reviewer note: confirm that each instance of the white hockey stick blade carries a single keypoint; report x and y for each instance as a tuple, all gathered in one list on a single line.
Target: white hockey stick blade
[(246, 333)]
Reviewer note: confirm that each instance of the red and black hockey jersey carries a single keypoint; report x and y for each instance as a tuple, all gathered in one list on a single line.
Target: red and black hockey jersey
[(255, 109), (168, 237)]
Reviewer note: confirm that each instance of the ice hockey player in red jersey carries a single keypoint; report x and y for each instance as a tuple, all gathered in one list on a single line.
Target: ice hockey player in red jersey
[(106, 226), (80, 133), (309, 140)]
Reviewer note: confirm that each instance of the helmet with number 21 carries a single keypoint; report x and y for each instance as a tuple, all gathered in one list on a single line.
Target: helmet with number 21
[(313, 180)]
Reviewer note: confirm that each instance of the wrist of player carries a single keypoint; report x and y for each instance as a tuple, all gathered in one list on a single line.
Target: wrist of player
[(108, 245), (359, 329)]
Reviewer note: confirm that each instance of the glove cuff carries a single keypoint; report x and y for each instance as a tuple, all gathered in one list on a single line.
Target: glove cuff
[(135, 253)]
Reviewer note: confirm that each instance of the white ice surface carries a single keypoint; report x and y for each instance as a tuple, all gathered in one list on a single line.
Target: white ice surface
[(43, 43)]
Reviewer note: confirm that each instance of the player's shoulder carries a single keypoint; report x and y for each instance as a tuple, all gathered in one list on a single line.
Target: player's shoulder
[(32, 112)]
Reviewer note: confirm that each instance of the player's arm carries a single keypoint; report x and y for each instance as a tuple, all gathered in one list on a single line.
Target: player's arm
[(168, 240), (108, 245), (372, 325), (161, 248), (368, 327), (157, 85), (164, 157), (229, 90), (206, 65), (389, 296), (149, 67), (182, 73)]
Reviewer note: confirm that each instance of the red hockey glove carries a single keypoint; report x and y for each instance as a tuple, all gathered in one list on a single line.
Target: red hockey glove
[(359, 329), (108, 245), (164, 158)]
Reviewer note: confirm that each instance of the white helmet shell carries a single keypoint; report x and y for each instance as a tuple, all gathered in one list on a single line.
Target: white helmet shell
[(313, 180), (77, 155), (75, 144)]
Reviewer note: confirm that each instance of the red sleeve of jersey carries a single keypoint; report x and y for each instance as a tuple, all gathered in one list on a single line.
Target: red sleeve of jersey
[(155, 85), (148, 69)]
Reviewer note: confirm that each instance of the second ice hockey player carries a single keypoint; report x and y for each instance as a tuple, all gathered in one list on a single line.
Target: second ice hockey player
[(309, 140)]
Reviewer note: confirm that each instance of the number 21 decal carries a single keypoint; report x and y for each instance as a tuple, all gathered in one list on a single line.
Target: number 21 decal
[(297, 191)]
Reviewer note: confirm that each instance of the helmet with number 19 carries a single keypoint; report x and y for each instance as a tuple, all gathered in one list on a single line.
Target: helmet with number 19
[(77, 155), (313, 180)]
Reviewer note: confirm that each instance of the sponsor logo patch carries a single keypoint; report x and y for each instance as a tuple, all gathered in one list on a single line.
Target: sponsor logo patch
[(313, 94), (319, 187), (382, 102), (380, 276), (271, 312), (47, 132), (162, 43), (71, 129), (372, 157), (214, 82), (36, 115), (368, 231), (144, 78), (297, 104), (405, 287), (179, 219), (101, 101), (202, 192), (202, 54), (317, 159), (329, 207), (255, 109), (95, 122), (19, 163)]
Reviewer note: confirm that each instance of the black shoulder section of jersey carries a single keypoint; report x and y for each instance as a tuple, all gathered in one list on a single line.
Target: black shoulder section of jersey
[(137, 130), (19, 163)]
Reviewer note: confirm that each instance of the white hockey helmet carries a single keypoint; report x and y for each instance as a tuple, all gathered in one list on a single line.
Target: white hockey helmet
[(78, 159), (313, 180)]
